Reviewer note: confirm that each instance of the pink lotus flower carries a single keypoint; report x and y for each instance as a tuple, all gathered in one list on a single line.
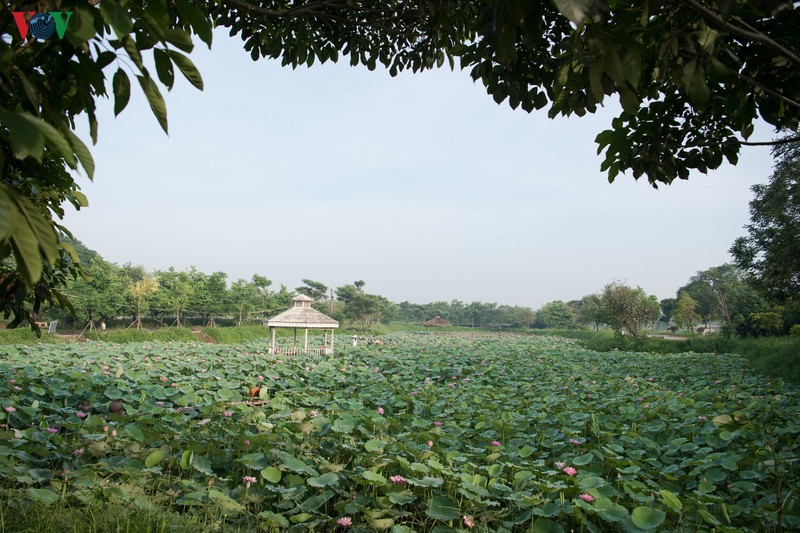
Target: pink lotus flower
[(52, 430), (10, 409), (559, 465), (430, 443), (571, 471), (575, 442), (248, 481), (397, 480), (345, 521), (586, 497), (227, 413), (468, 521), (79, 452), (246, 443), (438, 424), (159, 403), (313, 413), (496, 443), (81, 414), (380, 411)]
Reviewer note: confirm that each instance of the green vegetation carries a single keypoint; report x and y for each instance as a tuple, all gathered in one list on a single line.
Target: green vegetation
[(239, 334), (27, 337), (143, 335), (427, 432), (769, 356)]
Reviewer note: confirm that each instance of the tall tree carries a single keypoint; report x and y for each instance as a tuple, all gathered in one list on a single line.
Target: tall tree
[(313, 289), (557, 315), (591, 310), (684, 313), (722, 294), (175, 290), (627, 308), (769, 254)]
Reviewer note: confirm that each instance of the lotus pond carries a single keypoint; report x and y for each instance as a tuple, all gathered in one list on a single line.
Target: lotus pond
[(424, 433)]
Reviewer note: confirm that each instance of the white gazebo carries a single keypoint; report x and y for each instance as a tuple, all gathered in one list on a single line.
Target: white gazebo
[(302, 315)]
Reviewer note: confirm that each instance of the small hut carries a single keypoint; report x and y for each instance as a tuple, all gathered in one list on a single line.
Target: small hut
[(302, 316), (437, 321)]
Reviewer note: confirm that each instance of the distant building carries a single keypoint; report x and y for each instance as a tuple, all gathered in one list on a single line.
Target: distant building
[(437, 321)]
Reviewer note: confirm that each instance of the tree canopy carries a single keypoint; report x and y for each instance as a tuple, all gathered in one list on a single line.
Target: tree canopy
[(770, 253), (691, 78)]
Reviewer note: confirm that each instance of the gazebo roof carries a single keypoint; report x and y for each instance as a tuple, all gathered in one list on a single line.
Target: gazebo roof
[(438, 321), (302, 315)]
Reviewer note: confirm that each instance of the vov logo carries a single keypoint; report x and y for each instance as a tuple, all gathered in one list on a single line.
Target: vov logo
[(41, 25)]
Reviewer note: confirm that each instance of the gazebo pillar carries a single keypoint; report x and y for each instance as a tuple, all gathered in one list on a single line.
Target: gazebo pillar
[(306, 339), (272, 348)]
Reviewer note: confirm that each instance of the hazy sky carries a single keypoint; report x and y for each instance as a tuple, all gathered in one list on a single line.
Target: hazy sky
[(420, 185)]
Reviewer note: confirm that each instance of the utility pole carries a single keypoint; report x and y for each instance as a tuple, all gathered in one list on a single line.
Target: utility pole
[(331, 299)]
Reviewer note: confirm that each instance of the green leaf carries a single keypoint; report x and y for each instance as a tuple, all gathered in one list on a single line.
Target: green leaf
[(544, 525), (163, 67), (671, 500), (314, 502), (226, 504), (155, 458), (197, 18), (526, 451), (297, 465), (610, 511), (180, 38), (82, 27), (202, 464), (135, 432), (330, 478), (117, 17), (85, 158), (186, 458), (271, 474), (187, 68), (582, 460), (44, 496), (155, 100), (275, 519), (374, 445), (26, 249), (442, 508), (401, 498), (26, 139), (647, 518), (374, 477), (382, 523), (8, 211)]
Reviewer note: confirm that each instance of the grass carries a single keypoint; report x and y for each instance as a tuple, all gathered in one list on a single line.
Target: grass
[(144, 335), (20, 516), (768, 356), (24, 335)]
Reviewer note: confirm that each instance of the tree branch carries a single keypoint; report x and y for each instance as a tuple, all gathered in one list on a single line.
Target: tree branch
[(740, 32), (777, 142), (773, 93)]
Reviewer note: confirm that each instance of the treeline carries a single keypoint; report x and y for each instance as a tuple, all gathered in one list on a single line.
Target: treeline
[(721, 299), (129, 295)]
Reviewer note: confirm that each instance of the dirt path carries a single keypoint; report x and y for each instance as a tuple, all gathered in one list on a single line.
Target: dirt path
[(669, 337)]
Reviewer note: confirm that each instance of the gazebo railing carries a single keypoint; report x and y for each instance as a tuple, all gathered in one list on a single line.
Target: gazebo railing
[(296, 350)]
